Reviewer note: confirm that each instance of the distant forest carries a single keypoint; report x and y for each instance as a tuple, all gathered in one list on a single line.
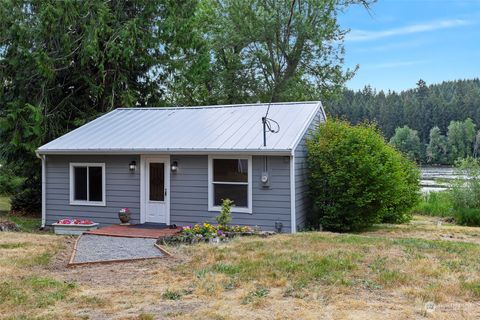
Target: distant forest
[(429, 122)]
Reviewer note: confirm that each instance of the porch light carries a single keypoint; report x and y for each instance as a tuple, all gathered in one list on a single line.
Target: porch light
[(132, 166), (174, 167)]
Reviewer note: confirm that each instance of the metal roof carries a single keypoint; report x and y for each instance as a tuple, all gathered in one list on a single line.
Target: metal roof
[(207, 129)]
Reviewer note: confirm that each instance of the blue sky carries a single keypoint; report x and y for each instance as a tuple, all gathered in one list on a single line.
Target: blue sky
[(400, 41)]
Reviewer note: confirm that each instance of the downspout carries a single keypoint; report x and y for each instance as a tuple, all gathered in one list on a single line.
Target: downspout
[(44, 188), (293, 213)]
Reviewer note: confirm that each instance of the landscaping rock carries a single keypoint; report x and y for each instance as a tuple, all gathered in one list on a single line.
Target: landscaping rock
[(6, 225), (93, 248)]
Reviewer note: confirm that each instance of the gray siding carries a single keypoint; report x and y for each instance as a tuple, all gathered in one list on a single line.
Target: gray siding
[(301, 173), (189, 193), (122, 189)]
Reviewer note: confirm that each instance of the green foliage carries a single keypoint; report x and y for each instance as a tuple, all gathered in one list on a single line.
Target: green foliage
[(29, 201), (25, 224), (407, 141), (171, 295), (225, 215), (461, 202), (255, 295), (421, 109), (357, 179), (63, 63), (270, 50), (437, 204), (9, 182), (437, 147), (460, 138), (466, 192)]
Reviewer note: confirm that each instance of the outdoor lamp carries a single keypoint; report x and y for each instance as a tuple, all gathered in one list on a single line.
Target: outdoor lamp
[(132, 166), (174, 166)]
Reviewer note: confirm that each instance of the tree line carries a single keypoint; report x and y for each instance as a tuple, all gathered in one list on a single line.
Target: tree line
[(435, 124)]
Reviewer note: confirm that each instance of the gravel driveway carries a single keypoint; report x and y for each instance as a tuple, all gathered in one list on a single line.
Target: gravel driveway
[(92, 248)]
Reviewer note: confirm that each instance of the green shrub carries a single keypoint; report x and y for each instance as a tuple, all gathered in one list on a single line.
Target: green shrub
[(468, 216), (466, 192), (225, 215), (438, 204), (357, 179), (28, 200)]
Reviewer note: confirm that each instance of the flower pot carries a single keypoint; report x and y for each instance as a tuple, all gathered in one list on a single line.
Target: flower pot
[(125, 217), (73, 229)]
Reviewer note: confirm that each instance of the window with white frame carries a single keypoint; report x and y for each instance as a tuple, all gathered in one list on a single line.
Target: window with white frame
[(230, 178), (87, 184)]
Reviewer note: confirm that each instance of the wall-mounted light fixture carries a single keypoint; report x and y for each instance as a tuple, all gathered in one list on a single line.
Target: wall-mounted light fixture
[(174, 166), (132, 166)]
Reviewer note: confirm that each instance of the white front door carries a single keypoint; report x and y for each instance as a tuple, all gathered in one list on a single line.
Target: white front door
[(156, 193)]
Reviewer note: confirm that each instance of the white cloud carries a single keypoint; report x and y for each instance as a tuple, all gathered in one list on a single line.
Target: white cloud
[(364, 35)]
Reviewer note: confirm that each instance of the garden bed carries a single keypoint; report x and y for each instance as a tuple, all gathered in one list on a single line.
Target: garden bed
[(207, 232), (73, 226)]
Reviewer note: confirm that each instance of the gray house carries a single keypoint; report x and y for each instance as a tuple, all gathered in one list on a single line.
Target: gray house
[(175, 165)]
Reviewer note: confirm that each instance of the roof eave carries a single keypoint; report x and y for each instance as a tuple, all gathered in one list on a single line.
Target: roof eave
[(278, 152)]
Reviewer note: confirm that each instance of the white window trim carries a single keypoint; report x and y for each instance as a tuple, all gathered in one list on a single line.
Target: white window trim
[(74, 202), (212, 207)]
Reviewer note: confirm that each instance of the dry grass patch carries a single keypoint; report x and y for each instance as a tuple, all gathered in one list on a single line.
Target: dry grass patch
[(304, 276)]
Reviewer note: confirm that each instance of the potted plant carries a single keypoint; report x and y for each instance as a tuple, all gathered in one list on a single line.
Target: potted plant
[(124, 215)]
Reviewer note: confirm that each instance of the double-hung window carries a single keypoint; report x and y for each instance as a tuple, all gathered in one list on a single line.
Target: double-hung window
[(87, 184), (230, 178)]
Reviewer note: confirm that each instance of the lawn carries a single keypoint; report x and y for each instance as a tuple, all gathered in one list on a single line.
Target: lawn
[(4, 205), (390, 272)]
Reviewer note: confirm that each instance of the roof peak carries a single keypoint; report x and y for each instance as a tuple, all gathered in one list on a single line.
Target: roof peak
[(220, 106)]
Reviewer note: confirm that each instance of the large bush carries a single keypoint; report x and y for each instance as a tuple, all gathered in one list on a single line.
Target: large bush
[(357, 179)]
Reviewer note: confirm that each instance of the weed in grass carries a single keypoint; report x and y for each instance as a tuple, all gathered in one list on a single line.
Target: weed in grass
[(227, 269), (15, 245), (255, 295), (378, 264), (231, 284), (456, 265), (34, 291), (295, 292), (199, 274), (92, 301), (171, 295), (367, 284), (42, 259), (146, 316), (472, 286), (392, 278), (9, 293)]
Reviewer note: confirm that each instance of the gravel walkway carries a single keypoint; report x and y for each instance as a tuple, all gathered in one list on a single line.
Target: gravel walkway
[(92, 248)]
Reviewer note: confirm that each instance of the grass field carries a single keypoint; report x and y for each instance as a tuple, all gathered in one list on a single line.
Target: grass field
[(390, 272)]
